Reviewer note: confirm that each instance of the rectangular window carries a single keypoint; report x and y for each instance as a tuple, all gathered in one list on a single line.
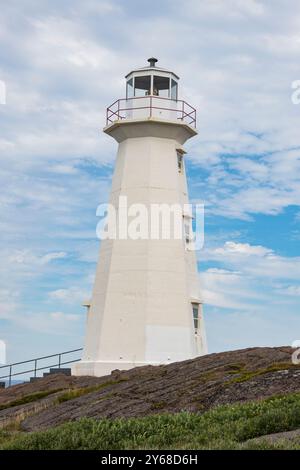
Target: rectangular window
[(129, 89), (142, 85), (180, 162), (161, 86), (187, 233), (196, 316), (173, 90)]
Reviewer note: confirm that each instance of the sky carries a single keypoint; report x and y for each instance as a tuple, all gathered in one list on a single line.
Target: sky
[(63, 62)]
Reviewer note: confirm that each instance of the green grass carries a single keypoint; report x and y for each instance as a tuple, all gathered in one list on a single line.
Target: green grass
[(158, 405), (224, 427), (28, 399), (5, 437), (235, 368), (248, 375), (70, 394)]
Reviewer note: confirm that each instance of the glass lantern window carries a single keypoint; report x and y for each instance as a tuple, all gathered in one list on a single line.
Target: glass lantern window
[(173, 90), (161, 86), (129, 91), (142, 85)]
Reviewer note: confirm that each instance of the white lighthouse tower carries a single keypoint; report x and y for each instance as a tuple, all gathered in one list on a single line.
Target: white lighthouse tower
[(146, 306)]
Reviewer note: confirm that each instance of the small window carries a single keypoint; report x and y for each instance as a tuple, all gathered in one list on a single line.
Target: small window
[(196, 316), (161, 86), (142, 85), (173, 90), (129, 90), (180, 162), (187, 232)]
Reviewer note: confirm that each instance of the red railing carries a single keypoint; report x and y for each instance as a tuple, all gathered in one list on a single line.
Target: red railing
[(174, 109)]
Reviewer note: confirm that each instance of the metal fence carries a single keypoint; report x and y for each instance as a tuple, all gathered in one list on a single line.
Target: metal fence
[(63, 358), (150, 105)]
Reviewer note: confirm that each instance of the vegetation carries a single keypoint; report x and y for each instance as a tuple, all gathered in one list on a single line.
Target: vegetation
[(28, 399), (224, 427), (79, 392), (248, 375)]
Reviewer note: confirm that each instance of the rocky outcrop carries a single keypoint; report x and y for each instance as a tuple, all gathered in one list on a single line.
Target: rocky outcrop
[(195, 385)]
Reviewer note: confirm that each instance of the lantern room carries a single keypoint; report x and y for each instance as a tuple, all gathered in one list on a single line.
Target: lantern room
[(151, 92), (152, 81)]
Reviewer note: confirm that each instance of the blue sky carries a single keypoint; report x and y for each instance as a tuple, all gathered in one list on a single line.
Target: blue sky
[(63, 63)]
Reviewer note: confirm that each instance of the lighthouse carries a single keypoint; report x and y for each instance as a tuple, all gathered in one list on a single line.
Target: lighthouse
[(146, 305)]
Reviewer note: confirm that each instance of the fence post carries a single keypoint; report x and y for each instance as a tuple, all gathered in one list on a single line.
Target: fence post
[(10, 373), (8, 377)]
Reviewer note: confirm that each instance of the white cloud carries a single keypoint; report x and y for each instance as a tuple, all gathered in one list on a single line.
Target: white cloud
[(229, 77), (52, 256), (8, 303), (256, 261), (63, 169), (243, 249), (63, 316), (53, 152), (237, 330), (72, 295), (231, 9), (292, 290), (25, 257), (54, 323), (63, 40), (233, 290), (253, 300)]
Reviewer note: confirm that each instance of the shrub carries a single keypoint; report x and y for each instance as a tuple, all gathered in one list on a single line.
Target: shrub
[(224, 427)]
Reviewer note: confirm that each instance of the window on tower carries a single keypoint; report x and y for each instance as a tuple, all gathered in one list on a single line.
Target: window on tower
[(187, 232), (180, 162), (196, 316), (161, 86), (142, 85), (129, 89), (173, 90)]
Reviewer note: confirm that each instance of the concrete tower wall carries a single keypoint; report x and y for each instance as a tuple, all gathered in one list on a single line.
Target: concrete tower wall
[(141, 307)]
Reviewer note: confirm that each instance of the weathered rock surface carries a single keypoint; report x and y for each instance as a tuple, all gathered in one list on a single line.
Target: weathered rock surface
[(195, 385), (292, 436), (51, 383)]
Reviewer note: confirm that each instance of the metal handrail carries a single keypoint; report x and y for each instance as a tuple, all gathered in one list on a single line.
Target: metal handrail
[(185, 111), (36, 368)]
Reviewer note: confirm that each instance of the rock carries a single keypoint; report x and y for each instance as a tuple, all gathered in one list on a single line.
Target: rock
[(277, 437), (195, 385)]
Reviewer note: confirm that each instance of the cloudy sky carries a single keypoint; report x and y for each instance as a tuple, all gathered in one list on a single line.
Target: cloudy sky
[(63, 62)]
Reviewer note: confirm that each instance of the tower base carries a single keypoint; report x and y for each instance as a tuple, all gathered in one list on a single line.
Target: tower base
[(102, 368)]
